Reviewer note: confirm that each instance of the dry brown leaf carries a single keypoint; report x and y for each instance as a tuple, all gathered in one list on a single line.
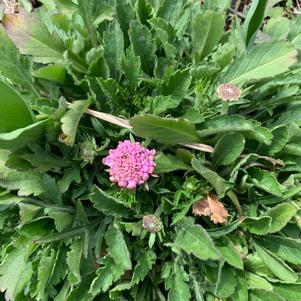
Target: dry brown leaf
[(211, 207)]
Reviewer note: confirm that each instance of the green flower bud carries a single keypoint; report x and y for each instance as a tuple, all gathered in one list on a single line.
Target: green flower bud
[(87, 150)]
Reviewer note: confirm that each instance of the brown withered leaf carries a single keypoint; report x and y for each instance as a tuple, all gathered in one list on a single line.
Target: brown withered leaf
[(211, 207)]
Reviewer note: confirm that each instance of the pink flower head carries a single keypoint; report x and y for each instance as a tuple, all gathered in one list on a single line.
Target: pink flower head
[(130, 164), (228, 91)]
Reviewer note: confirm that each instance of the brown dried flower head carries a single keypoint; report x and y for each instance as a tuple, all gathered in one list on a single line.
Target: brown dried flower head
[(151, 223), (228, 92), (212, 207)]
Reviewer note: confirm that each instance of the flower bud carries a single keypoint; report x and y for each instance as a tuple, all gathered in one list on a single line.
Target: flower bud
[(152, 223)]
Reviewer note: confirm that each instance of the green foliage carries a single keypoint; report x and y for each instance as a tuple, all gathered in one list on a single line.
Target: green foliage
[(78, 77)]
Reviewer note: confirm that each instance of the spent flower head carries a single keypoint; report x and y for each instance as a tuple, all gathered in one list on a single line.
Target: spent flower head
[(152, 223), (130, 164), (228, 91)]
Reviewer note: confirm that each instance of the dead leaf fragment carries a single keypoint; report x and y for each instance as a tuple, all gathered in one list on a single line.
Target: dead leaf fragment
[(211, 207)]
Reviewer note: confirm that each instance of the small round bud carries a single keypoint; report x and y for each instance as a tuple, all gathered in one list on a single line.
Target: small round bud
[(152, 223), (87, 150), (228, 91)]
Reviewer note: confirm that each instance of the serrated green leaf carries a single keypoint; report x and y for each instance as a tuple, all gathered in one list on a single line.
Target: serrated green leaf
[(113, 46), (207, 31), (13, 268), (255, 281), (177, 84), (107, 204), (193, 239), (52, 72), (165, 130), (74, 257), (281, 215), (263, 61), (228, 149), (45, 271), (145, 262), (13, 66), (32, 37), (62, 219), (143, 45), (131, 68), (71, 119), (276, 265)]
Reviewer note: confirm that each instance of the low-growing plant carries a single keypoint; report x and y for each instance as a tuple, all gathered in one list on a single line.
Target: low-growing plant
[(150, 150)]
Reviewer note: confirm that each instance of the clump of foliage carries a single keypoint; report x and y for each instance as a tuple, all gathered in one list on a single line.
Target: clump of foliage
[(218, 219)]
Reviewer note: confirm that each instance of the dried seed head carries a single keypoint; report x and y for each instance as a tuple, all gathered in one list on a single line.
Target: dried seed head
[(228, 92), (152, 223)]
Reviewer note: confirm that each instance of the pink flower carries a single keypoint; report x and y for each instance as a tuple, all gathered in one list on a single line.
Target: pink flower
[(130, 164), (228, 91)]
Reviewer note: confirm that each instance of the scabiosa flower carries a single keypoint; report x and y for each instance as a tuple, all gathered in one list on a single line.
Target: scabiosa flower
[(151, 223), (130, 164), (228, 91)]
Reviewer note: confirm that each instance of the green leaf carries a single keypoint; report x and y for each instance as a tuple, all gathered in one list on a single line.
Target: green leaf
[(212, 177), (14, 112), (258, 225), (143, 45), (241, 292), (106, 276), (168, 9), (265, 60), (193, 239), (261, 295), (45, 271), (254, 20), (255, 281), (229, 252), (236, 123), (165, 130), (131, 68), (278, 28), (226, 283), (74, 257), (280, 138), (32, 37), (168, 163), (208, 28), (290, 292), (90, 10), (107, 204), (265, 181), (15, 67), (117, 247), (71, 119), (276, 265), (13, 269), (21, 137), (62, 219), (228, 149), (52, 72), (177, 284), (145, 262), (222, 231), (113, 46), (177, 84), (27, 183), (80, 292), (286, 248), (281, 215)]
